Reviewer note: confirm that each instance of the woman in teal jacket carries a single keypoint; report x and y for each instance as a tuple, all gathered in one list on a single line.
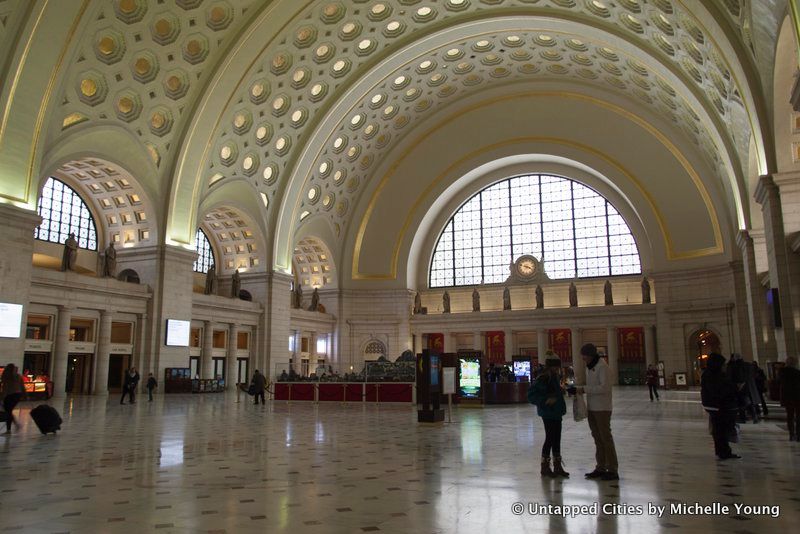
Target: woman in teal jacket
[(547, 394)]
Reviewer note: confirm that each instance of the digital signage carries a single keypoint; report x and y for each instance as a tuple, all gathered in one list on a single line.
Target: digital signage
[(469, 383)]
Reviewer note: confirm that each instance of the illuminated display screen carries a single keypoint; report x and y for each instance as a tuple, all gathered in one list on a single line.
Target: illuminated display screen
[(434, 370), (522, 368), (469, 384)]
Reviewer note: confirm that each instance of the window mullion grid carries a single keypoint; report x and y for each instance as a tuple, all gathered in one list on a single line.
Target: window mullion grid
[(541, 214), (574, 235), (453, 241), (608, 241), (480, 233), (510, 222)]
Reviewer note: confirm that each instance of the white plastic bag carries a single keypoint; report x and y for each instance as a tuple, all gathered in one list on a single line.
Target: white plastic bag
[(579, 408)]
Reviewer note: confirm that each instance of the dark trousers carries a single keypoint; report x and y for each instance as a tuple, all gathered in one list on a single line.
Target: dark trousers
[(552, 437), (763, 403), (653, 391), (722, 423), (260, 394), (792, 419), (130, 392), (9, 403), (150, 394), (605, 450)]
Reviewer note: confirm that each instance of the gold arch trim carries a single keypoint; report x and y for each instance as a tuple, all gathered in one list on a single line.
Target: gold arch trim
[(717, 248)]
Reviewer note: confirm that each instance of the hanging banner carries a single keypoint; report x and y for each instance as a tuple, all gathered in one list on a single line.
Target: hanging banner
[(561, 344), (496, 347), (436, 343), (631, 344)]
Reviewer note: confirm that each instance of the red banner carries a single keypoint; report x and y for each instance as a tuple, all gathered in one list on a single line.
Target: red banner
[(496, 347), (436, 343), (631, 344), (561, 344)]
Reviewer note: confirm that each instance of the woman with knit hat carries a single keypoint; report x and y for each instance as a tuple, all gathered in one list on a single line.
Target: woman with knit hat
[(547, 393)]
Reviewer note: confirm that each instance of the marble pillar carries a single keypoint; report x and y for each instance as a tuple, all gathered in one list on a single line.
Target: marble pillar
[(102, 353), (231, 370), (61, 351), (612, 351), (650, 344), (755, 294), (206, 361), (541, 344), (508, 334), (577, 361)]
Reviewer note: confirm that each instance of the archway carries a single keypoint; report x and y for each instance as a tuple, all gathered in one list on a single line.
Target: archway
[(700, 344)]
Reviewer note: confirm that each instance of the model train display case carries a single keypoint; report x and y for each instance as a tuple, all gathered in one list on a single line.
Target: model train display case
[(177, 380)]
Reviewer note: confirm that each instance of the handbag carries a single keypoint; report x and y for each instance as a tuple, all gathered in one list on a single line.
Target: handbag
[(579, 408), (251, 390)]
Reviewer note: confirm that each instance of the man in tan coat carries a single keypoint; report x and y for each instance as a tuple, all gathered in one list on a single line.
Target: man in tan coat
[(598, 404)]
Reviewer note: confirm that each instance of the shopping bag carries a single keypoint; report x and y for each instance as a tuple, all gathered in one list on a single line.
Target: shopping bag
[(252, 389), (579, 408), (734, 433)]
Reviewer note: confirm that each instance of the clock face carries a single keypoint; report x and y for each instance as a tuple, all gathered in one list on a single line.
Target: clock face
[(526, 267)]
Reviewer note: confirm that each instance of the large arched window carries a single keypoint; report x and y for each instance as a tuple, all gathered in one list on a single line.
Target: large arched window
[(205, 254), (574, 230), (64, 212)]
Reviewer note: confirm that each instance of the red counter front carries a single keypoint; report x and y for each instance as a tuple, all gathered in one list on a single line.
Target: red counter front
[(345, 391)]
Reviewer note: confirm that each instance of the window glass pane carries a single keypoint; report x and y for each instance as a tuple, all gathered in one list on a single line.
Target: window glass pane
[(573, 229), (205, 255)]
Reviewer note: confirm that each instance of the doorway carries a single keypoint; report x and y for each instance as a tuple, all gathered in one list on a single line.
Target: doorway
[(117, 364), (36, 363), (194, 367), (243, 371), (79, 374), (701, 343), (219, 368)]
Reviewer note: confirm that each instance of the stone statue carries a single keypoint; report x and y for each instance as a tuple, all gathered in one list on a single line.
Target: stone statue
[(539, 297), (476, 300), (110, 261), (70, 255), (506, 298), (573, 295), (211, 280), (417, 303), (297, 296), (645, 291), (446, 302), (609, 297), (236, 284), (314, 301)]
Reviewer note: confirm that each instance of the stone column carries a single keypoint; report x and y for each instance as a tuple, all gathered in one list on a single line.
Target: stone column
[(232, 363), (15, 271), (477, 342), (61, 351), (206, 361), (102, 353), (143, 361), (612, 351), (577, 360), (508, 334), (755, 294), (541, 344), (649, 344), (277, 318), (297, 353), (768, 195), (449, 342)]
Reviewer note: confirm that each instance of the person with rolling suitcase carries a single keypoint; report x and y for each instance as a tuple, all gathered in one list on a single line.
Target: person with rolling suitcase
[(12, 389)]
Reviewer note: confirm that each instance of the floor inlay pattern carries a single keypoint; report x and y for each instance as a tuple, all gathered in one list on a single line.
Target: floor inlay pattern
[(205, 463)]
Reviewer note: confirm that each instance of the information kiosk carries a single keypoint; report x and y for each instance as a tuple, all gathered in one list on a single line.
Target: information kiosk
[(429, 388)]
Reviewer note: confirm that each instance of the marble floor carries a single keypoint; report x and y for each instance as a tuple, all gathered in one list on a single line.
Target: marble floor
[(206, 463)]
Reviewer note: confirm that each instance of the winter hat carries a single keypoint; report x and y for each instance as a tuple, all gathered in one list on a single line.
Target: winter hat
[(589, 350), (552, 361)]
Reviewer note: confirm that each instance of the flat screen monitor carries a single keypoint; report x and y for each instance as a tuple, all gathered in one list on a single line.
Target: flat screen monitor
[(10, 319), (469, 383), (522, 368), (178, 333), (434, 370)]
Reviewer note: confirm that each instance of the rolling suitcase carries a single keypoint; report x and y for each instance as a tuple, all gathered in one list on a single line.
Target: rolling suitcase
[(46, 418)]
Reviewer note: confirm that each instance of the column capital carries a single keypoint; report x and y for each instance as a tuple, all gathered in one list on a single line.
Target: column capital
[(19, 218), (65, 308), (744, 240), (766, 185)]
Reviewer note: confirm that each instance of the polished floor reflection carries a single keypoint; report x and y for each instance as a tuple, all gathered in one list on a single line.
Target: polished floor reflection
[(205, 463)]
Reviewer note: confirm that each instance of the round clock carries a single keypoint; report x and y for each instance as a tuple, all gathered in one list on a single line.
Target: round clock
[(526, 266)]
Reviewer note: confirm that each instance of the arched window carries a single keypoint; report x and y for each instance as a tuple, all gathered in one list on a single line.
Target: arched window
[(205, 254), (63, 212), (574, 230), (375, 349)]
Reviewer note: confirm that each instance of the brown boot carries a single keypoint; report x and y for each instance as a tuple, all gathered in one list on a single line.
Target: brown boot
[(546, 471), (558, 467)]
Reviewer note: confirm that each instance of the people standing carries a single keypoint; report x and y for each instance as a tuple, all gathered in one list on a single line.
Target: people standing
[(737, 373), (129, 386), (718, 393), (151, 385), (598, 404), (12, 387), (547, 393), (790, 396), (259, 384), (761, 386), (652, 381)]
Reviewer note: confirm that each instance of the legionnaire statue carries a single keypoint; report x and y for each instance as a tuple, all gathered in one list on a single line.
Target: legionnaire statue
[(609, 297), (211, 280), (506, 298), (110, 261), (314, 301), (297, 296), (446, 302), (236, 284), (476, 300), (70, 256), (539, 297), (417, 303), (573, 295), (645, 291)]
